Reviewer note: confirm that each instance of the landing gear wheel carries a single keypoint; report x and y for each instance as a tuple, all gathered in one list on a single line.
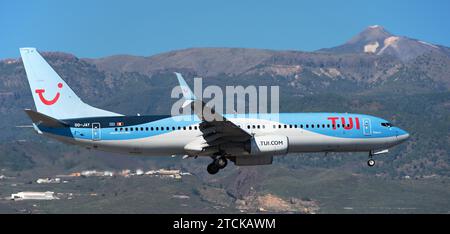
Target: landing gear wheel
[(221, 162), (212, 168), (371, 163)]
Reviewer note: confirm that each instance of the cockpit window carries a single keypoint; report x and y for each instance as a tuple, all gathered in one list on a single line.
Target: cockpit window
[(386, 125)]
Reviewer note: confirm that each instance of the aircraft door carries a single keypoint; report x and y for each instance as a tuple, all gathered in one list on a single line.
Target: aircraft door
[(367, 128), (96, 132)]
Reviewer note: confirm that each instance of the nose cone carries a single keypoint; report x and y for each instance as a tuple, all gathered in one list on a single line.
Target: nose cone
[(402, 135)]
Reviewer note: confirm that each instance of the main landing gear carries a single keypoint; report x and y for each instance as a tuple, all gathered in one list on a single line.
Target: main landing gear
[(217, 164)]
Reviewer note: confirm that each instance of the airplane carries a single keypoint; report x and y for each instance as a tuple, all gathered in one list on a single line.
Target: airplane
[(244, 139)]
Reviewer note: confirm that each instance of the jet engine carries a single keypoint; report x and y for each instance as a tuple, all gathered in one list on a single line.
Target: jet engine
[(269, 145)]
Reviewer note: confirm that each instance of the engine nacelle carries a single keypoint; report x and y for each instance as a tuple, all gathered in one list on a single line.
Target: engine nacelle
[(272, 144)]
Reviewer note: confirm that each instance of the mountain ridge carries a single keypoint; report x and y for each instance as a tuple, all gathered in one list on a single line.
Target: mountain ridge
[(377, 40)]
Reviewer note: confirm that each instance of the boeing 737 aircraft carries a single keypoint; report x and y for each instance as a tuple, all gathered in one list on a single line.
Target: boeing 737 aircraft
[(245, 139)]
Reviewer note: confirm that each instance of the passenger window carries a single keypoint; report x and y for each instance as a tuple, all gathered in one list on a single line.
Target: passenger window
[(328, 125), (179, 128), (167, 128), (195, 127), (126, 129), (285, 126), (274, 126), (248, 126), (279, 126), (190, 127), (323, 125), (115, 129), (173, 128), (121, 129), (259, 126), (307, 126), (338, 125), (156, 128), (290, 125), (312, 125), (295, 125), (146, 128), (137, 129), (131, 129), (184, 128)]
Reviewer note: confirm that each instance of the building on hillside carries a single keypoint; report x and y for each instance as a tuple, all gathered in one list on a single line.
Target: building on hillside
[(48, 181), (139, 172), (33, 196)]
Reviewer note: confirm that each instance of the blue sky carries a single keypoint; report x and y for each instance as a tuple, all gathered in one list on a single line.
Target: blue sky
[(97, 28)]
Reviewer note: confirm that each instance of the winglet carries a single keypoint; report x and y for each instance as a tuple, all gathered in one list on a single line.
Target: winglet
[(187, 92), (188, 95)]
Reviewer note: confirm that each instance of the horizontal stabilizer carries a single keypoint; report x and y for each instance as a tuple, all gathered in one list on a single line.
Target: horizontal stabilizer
[(47, 121)]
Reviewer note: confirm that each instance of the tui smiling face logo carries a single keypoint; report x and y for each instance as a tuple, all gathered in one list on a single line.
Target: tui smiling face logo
[(50, 102)]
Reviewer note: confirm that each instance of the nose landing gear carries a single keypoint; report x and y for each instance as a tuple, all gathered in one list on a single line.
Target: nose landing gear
[(217, 164), (371, 163)]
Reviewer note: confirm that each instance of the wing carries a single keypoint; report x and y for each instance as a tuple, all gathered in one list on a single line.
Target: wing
[(216, 129)]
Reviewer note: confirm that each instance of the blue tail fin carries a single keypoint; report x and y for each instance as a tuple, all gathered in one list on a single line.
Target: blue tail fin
[(52, 96)]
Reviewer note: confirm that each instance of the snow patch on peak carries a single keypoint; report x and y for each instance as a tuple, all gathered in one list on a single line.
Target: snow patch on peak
[(390, 41), (429, 44), (375, 26), (371, 47)]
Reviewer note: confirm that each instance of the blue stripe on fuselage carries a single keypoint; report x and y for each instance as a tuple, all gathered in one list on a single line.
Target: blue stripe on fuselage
[(109, 133)]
